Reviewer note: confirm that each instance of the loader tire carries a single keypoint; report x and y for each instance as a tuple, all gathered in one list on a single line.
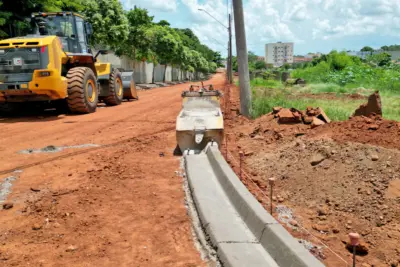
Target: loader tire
[(116, 89), (82, 90)]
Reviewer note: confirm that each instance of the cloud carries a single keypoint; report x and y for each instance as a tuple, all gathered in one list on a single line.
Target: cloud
[(297, 12), (264, 21), (156, 5), (313, 25), (358, 17)]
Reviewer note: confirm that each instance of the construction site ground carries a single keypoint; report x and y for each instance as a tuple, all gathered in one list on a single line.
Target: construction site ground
[(101, 189), (332, 180)]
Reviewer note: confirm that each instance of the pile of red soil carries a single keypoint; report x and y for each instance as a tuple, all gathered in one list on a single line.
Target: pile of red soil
[(366, 130)]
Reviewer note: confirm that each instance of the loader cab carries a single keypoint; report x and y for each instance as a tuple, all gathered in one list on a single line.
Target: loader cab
[(71, 29)]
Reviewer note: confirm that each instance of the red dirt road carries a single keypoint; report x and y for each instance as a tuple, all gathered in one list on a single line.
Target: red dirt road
[(120, 204)]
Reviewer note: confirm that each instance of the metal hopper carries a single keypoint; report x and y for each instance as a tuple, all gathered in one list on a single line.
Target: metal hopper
[(200, 120)]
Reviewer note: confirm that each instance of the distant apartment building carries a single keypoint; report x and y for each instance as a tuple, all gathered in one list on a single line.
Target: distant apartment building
[(279, 53)]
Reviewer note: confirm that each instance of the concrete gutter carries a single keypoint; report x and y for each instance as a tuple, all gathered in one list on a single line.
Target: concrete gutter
[(237, 225)]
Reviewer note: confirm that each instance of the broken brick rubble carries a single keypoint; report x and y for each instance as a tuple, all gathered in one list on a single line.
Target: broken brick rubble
[(313, 116)]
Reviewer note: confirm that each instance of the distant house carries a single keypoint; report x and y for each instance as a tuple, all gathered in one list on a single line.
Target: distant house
[(313, 55), (302, 59), (394, 54)]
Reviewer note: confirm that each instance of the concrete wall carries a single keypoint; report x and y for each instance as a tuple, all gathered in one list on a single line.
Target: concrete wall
[(168, 74), (112, 58), (159, 71), (145, 71), (139, 75), (175, 74), (148, 70)]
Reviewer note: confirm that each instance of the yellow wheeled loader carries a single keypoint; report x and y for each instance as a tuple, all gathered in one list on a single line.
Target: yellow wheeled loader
[(55, 65)]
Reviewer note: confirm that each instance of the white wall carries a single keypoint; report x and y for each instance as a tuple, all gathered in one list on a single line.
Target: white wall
[(159, 71), (144, 71), (168, 74)]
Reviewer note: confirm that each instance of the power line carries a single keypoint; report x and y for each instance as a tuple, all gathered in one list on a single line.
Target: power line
[(217, 41)]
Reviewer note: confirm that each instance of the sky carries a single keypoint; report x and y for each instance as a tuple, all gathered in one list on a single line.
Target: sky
[(313, 25)]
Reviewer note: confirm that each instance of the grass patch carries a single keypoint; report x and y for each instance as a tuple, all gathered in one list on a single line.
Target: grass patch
[(259, 82), (270, 93), (337, 110), (390, 105)]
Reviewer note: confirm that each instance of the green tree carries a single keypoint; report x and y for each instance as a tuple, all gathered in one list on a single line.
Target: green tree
[(367, 49), (252, 57), (381, 60), (166, 45), (16, 13), (339, 61), (286, 66), (163, 23), (4, 16), (137, 45), (213, 67), (218, 59), (260, 65), (391, 48), (110, 25), (235, 64)]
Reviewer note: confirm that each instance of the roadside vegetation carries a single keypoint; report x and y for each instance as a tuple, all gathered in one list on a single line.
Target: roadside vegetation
[(332, 79), (132, 33)]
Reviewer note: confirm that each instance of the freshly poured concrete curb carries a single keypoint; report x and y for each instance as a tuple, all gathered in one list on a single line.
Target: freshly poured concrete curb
[(243, 233)]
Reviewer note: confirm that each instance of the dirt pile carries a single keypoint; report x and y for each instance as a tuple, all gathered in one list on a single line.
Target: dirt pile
[(332, 177), (367, 130), (372, 107), (338, 188)]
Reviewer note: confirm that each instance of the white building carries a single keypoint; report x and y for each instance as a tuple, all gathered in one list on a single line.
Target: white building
[(279, 53)]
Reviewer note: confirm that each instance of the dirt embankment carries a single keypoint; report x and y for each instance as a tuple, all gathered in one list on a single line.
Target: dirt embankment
[(338, 178)]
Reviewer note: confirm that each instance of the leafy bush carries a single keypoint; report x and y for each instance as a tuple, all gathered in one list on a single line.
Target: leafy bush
[(376, 72)]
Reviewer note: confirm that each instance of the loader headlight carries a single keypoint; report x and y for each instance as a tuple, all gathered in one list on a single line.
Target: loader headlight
[(2, 51), (44, 73)]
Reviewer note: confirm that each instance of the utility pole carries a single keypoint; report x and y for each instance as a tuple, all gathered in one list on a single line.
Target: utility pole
[(242, 55), (230, 70), (228, 66)]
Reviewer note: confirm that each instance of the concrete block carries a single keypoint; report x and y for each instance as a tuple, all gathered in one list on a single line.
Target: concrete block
[(148, 86), (252, 212), (285, 249), (244, 254), (161, 84), (222, 222), (275, 239)]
